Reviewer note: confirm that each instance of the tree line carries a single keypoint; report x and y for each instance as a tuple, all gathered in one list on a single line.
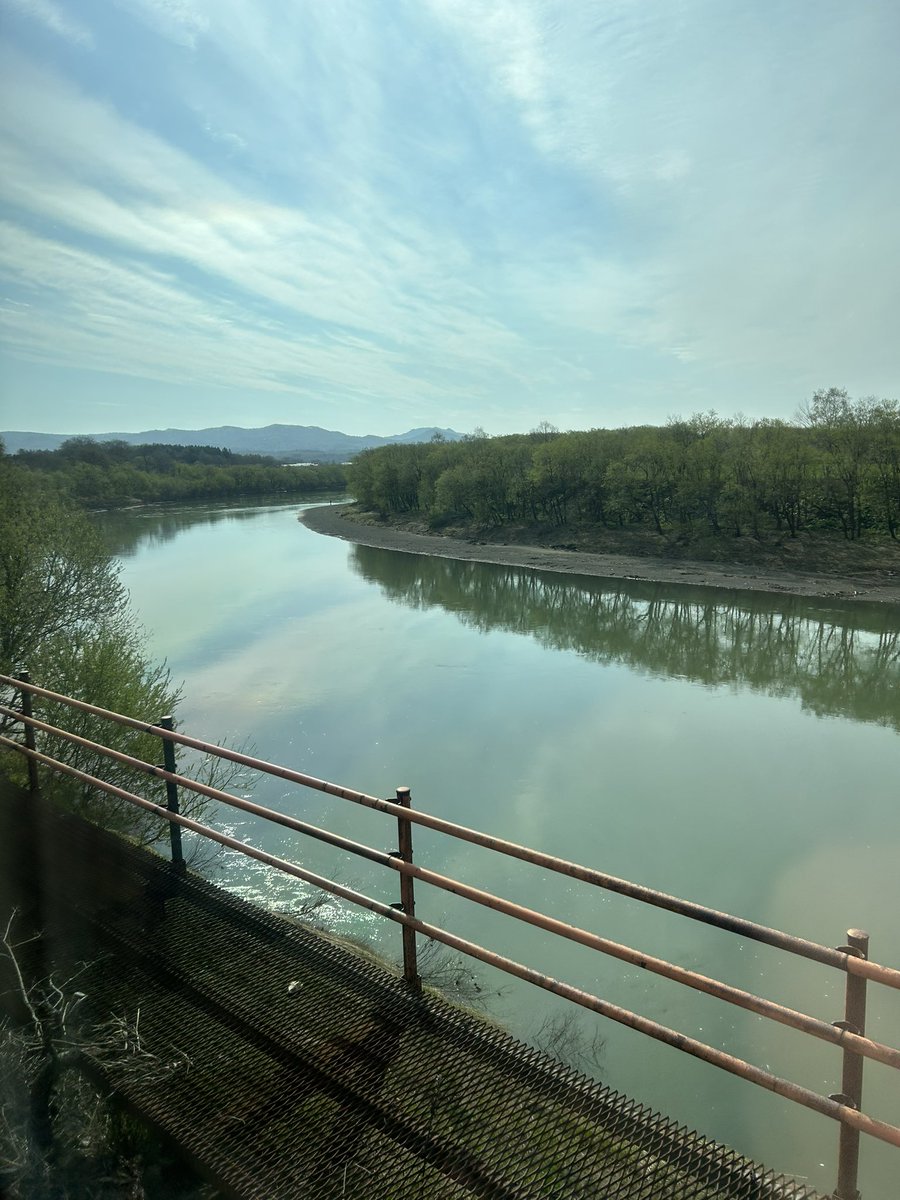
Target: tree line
[(114, 474), (836, 468)]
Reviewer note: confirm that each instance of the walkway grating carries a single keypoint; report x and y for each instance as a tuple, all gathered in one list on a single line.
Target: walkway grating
[(314, 1072)]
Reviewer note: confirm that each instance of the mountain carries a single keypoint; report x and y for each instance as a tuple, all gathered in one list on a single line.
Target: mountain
[(287, 442)]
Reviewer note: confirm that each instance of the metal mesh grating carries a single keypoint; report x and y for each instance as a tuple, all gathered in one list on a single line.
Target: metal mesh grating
[(349, 1085)]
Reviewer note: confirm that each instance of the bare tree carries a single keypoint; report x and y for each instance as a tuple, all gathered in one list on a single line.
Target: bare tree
[(59, 1136)]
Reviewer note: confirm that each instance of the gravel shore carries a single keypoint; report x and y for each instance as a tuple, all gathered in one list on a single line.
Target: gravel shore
[(335, 521)]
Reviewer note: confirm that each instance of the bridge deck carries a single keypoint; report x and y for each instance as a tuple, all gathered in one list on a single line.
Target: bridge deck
[(314, 1072)]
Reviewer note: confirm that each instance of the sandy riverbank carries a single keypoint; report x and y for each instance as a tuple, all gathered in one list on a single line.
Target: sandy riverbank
[(334, 521)]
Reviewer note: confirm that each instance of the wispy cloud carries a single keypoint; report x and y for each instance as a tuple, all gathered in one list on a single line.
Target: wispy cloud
[(563, 67), (724, 142), (504, 210), (129, 319), (178, 20), (54, 18), (277, 300)]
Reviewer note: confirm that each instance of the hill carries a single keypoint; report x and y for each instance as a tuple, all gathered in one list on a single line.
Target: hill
[(288, 443)]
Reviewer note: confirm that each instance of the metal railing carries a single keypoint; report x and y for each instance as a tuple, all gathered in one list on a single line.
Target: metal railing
[(851, 959)]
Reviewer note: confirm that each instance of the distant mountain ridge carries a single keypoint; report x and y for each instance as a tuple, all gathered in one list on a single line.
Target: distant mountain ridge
[(287, 442)]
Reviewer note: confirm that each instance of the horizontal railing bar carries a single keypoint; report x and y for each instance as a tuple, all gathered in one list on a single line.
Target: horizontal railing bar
[(750, 929), (727, 1062), (237, 756), (205, 789), (792, 1018), (763, 1007)]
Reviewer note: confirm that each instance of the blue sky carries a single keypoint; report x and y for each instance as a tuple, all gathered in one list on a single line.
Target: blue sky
[(378, 214)]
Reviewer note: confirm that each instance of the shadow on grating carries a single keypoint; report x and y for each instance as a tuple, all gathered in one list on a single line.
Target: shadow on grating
[(309, 1071)]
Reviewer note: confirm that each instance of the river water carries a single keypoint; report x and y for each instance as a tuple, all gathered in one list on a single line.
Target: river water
[(739, 750)]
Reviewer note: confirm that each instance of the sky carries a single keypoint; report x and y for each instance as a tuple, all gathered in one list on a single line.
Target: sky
[(376, 215)]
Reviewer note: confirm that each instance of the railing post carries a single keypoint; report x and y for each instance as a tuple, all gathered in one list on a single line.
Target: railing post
[(852, 1075), (407, 894), (27, 711), (172, 793)]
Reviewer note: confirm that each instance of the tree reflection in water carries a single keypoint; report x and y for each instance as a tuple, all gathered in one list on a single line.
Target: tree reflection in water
[(839, 660)]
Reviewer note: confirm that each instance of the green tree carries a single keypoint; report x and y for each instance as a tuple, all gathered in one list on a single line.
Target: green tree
[(64, 616), (558, 474), (841, 432), (55, 574), (107, 666), (884, 481)]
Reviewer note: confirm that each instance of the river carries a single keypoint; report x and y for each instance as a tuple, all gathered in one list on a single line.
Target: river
[(737, 749)]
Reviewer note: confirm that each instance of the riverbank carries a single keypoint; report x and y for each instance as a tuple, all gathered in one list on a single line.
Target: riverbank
[(337, 521)]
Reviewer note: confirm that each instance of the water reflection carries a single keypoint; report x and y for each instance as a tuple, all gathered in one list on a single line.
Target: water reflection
[(128, 530), (692, 778), (838, 660)]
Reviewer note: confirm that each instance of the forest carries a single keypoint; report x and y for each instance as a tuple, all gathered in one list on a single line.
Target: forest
[(115, 474), (705, 478)]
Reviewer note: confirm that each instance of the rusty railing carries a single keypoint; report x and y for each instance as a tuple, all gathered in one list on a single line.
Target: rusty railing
[(851, 959)]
